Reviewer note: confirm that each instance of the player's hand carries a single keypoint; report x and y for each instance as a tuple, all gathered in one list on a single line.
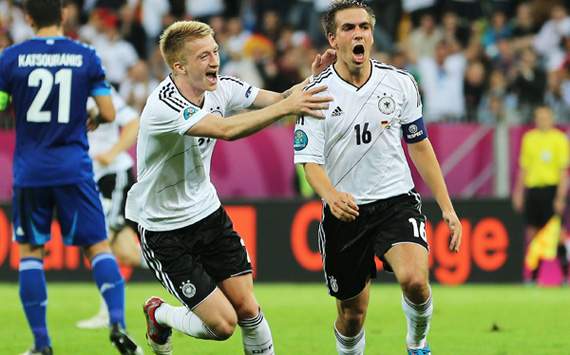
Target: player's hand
[(105, 158), (455, 227), (342, 206), (307, 103), (92, 124), (322, 61)]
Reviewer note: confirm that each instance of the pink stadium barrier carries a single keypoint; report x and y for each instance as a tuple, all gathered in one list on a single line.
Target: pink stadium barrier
[(261, 166)]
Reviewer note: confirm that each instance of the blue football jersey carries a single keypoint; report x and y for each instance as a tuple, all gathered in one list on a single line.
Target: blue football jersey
[(49, 80)]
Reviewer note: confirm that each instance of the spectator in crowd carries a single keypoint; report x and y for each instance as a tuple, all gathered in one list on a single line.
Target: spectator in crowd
[(498, 29), (423, 40), (523, 26), (547, 41), (454, 31), (201, 10), (541, 188), (473, 88), (94, 27), (441, 79), (138, 86), (529, 84), (497, 104), (117, 55), (131, 30), (555, 98)]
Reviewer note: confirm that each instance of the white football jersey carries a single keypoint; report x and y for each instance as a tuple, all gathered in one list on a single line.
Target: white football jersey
[(359, 141), (173, 188), (107, 135)]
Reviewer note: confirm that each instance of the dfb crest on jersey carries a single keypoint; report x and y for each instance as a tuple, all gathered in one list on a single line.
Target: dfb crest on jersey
[(300, 140), (387, 105), (188, 289), (333, 284)]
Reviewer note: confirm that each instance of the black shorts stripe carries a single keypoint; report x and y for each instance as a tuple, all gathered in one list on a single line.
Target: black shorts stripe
[(156, 266)]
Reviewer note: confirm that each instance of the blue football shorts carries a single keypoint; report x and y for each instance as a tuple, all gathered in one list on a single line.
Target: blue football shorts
[(78, 208)]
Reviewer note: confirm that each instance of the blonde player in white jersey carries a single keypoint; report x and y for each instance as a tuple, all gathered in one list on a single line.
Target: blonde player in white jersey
[(112, 167), (186, 236), (354, 160)]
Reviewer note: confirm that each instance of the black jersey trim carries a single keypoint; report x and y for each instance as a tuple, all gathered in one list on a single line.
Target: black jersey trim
[(163, 96), (326, 71), (311, 85), (231, 78), (182, 95), (351, 84)]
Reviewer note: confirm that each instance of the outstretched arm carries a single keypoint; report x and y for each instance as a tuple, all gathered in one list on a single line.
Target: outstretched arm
[(247, 123), (265, 97), (424, 159)]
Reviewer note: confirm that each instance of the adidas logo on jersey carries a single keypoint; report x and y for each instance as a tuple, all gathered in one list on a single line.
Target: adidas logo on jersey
[(337, 112)]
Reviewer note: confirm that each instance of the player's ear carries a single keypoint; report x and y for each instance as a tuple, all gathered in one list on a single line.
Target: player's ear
[(332, 40), (178, 68)]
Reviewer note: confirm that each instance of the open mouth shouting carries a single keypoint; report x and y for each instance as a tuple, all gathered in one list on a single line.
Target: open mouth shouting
[(358, 53), (212, 76)]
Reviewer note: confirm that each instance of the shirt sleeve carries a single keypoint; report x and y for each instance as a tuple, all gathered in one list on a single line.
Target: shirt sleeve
[(413, 127), (239, 94), (309, 141), (167, 120), (412, 109), (99, 86)]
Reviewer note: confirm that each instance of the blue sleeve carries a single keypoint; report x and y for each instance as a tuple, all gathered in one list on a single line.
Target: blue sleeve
[(4, 90), (415, 131), (99, 86)]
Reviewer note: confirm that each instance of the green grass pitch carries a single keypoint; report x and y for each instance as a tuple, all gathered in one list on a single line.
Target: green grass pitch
[(468, 320)]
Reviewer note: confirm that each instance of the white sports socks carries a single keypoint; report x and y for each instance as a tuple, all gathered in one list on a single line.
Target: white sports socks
[(418, 317), (350, 345), (256, 335), (183, 320)]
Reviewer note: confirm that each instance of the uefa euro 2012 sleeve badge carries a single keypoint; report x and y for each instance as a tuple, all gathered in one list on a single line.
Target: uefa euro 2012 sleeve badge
[(300, 140)]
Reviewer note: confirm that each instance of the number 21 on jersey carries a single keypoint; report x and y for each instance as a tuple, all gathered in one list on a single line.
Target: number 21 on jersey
[(45, 80)]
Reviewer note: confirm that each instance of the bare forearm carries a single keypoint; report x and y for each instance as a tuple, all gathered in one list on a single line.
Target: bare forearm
[(265, 97), (318, 179), (424, 159), (237, 126)]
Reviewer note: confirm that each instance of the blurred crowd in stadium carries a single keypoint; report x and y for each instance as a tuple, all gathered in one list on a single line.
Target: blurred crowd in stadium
[(476, 61)]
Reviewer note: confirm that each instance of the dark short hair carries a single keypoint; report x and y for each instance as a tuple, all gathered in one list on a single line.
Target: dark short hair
[(44, 12), (328, 18)]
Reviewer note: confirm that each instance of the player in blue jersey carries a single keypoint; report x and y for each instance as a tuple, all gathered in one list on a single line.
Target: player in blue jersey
[(49, 79)]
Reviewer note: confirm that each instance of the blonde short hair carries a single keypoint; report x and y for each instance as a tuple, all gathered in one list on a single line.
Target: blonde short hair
[(175, 36)]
